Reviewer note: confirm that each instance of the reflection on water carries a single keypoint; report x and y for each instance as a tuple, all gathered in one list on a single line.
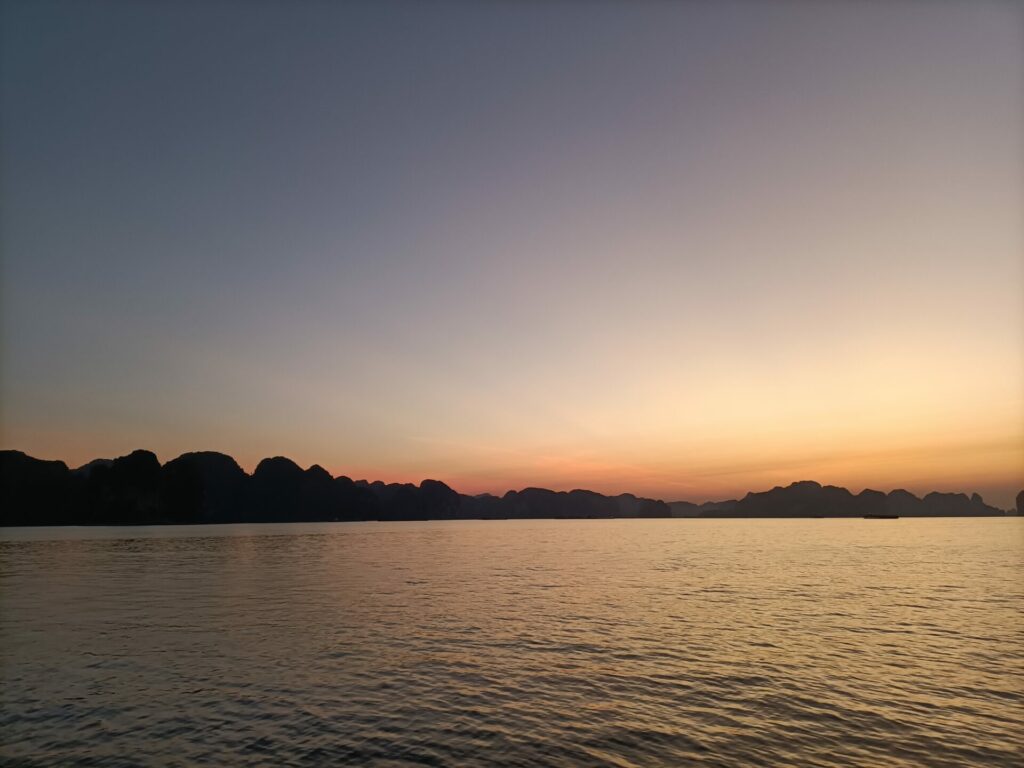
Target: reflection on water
[(640, 642)]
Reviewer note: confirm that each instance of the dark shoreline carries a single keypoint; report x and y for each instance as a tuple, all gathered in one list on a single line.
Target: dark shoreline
[(208, 487), (94, 526)]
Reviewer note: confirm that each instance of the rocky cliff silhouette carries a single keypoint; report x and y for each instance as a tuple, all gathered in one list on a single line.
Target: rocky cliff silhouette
[(810, 499), (210, 487)]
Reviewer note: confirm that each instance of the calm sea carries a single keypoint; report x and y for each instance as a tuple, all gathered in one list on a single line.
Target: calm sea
[(528, 643)]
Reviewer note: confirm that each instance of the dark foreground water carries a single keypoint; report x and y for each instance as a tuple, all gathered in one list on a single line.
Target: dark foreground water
[(600, 642)]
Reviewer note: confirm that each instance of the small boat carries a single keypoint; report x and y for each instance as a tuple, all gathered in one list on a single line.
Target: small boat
[(881, 517)]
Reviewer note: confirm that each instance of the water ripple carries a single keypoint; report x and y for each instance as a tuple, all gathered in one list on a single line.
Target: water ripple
[(520, 643)]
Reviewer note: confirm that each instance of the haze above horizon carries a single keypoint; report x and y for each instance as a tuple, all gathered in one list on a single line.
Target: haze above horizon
[(678, 250)]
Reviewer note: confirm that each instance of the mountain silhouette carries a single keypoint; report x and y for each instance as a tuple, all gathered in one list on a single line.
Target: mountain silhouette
[(810, 499), (210, 487)]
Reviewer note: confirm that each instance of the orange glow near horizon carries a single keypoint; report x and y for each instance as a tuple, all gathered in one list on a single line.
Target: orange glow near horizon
[(959, 452)]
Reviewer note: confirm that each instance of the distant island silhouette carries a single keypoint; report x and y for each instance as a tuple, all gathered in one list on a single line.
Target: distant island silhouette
[(210, 487)]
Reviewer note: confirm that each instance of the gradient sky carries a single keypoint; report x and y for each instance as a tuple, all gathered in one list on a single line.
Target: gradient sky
[(679, 249)]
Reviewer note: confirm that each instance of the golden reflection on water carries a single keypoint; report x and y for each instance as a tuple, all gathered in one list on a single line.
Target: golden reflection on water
[(540, 642)]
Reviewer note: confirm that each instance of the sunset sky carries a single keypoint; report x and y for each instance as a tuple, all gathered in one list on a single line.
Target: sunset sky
[(680, 249)]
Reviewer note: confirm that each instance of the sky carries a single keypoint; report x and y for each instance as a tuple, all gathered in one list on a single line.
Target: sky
[(684, 250)]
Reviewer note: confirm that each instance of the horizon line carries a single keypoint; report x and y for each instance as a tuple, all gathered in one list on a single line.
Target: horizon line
[(563, 490)]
